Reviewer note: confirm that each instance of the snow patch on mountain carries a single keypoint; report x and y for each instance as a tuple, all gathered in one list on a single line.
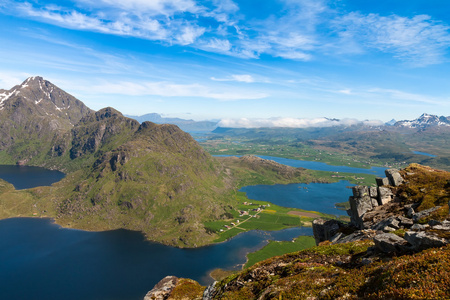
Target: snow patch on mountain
[(424, 121)]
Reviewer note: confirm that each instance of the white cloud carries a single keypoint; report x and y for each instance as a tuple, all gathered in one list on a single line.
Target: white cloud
[(239, 78), (302, 30), (293, 122), (418, 40), (169, 89), (189, 34), (154, 7)]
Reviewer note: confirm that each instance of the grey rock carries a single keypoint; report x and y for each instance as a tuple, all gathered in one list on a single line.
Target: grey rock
[(382, 181), (325, 230), (418, 227), (388, 229), (391, 222), (373, 192), (210, 291), (359, 206), (405, 222), (423, 240), (336, 237), (385, 195), (434, 223), (374, 202), (390, 243), (395, 179), (410, 212), (359, 235), (162, 289), (425, 213), (445, 227), (360, 191)]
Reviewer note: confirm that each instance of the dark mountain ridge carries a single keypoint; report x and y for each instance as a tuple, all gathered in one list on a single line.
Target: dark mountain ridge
[(185, 125)]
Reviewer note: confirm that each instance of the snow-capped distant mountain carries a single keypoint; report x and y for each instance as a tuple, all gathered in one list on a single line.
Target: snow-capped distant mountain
[(391, 122), (425, 121)]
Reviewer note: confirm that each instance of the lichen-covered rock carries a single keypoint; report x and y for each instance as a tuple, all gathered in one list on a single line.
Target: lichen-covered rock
[(423, 240), (425, 213), (385, 195), (390, 243), (395, 179), (162, 290)]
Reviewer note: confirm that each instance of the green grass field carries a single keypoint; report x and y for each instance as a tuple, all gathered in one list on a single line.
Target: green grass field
[(270, 218), (279, 248)]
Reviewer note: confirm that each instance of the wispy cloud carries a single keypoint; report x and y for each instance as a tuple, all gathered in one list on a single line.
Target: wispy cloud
[(239, 78), (170, 89), (418, 40), (293, 122), (301, 30)]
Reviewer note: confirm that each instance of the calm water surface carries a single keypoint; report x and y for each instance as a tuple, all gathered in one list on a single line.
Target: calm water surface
[(424, 153), (41, 260), (314, 196), (25, 177)]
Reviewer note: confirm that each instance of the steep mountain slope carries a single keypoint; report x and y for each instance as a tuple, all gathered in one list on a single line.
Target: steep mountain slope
[(35, 118), (148, 177)]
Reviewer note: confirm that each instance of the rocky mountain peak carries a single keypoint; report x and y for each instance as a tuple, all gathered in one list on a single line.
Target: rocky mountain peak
[(425, 121), (45, 99)]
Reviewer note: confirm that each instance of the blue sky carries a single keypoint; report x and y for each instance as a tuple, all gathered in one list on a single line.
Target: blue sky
[(241, 61)]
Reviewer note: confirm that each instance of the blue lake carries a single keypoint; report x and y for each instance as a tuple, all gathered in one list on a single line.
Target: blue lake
[(320, 166), (424, 153), (314, 196), (41, 260), (25, 177)]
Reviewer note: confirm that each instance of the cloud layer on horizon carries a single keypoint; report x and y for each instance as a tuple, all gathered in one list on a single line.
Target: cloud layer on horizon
[(294, 122)]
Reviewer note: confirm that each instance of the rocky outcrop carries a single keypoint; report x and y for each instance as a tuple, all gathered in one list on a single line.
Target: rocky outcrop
[(163, 289), (378, 213), (326, 230)]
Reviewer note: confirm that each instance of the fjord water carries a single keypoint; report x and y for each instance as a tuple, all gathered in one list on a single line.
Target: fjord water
[(320, 197), (25, 177), (41, 260)]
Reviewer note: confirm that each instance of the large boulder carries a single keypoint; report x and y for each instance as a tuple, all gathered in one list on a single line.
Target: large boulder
[(423, 240), (325, 230), (162, 290), (390, 243), (424, 214), (394, 177), (385, 195), (360, 203)]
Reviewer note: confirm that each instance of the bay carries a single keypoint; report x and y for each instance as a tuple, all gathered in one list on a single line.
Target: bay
[(41, 260), (25, 177), (320, 197)]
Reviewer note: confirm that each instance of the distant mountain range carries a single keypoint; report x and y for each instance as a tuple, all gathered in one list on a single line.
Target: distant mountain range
[(185, 125), (424, 121)]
